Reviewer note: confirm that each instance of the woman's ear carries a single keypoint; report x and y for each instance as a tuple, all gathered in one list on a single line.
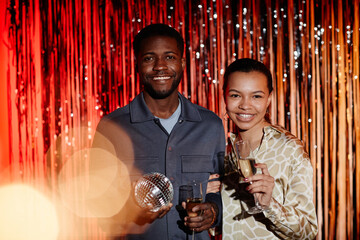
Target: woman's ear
[(269, 100)]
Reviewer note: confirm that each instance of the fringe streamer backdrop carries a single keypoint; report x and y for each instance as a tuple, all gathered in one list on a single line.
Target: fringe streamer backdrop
[(68, 63)]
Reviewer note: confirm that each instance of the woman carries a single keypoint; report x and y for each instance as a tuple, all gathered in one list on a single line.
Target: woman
[(284, 183)]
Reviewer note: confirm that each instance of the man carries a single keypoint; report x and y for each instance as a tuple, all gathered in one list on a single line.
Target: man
[(168, 134)]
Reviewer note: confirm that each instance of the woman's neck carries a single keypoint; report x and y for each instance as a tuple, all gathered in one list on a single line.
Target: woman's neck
[(253, 135)]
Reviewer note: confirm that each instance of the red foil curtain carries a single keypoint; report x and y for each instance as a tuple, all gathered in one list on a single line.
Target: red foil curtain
[(67, 63)]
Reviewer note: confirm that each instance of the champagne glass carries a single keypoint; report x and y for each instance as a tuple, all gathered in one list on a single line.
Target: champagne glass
[(246, 167), (185, 192), (194, 200)]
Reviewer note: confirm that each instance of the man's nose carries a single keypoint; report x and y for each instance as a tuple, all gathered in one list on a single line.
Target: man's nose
[(160, 64)]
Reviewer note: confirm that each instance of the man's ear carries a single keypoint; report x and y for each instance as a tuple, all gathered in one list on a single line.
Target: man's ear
[(136, 64), (183, 63)]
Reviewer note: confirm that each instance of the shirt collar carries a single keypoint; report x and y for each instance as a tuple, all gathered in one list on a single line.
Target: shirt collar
[(139, 112), (269, 132)]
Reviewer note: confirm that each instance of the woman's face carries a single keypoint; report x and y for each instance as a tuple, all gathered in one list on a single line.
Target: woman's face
[(247, 98)]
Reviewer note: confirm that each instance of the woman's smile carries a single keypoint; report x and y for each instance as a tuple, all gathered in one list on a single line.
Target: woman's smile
[(247, 99)]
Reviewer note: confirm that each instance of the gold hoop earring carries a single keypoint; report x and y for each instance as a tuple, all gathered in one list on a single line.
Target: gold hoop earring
[(267, 116), (226, 116)]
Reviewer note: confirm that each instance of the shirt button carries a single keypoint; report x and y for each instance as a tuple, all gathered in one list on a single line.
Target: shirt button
[(170, 149)]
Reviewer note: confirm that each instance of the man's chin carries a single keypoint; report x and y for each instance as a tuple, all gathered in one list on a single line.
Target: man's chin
[(163, 93), (159, 95)]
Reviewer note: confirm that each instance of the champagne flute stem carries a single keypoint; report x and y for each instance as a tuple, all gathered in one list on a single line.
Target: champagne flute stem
[(257, 203), (256, 200), (193, 234)]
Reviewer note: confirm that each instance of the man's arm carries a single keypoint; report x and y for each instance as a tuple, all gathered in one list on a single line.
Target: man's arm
[(212, 208)]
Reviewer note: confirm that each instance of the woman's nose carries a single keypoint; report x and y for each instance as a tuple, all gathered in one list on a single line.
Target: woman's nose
[(244, 103)]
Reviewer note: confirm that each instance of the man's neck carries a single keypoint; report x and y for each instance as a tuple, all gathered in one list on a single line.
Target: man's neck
[(162, 108)]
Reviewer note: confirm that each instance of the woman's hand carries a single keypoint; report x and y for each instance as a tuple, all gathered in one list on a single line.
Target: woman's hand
[(213, 186), (262, 185)]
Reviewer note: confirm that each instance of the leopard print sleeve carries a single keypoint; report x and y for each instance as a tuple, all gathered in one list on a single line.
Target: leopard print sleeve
[(292, 213)]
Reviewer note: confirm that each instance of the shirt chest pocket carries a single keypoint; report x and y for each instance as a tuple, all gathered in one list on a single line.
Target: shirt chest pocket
[(196, 167), (196, 163)]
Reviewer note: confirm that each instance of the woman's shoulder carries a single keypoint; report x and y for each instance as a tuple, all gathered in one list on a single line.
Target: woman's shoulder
[(279, 136), (285, 142), (282, 134)]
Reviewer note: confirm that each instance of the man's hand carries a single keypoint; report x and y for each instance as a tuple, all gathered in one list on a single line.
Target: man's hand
[(147, 216), (205, 220)]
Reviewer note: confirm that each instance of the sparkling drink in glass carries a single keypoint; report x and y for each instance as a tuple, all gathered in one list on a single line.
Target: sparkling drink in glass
[(194, 200), (246, 167)]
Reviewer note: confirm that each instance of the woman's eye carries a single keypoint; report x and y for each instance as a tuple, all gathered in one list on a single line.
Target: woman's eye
[(234, 95), (258, 96)]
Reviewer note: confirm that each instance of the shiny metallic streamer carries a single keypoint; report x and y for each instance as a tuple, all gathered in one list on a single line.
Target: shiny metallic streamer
[(71, 62)]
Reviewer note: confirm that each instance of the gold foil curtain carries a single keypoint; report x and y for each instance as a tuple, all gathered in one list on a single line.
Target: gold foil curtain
[(70, 62)]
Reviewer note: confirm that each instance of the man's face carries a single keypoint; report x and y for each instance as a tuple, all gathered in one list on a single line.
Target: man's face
[(160, 65)]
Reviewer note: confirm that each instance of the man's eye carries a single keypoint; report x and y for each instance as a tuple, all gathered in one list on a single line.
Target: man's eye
[(170, 57), (147, 59)]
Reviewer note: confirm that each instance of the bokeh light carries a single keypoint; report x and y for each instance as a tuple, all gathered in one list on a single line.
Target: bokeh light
[(100, 191), (26, 214)]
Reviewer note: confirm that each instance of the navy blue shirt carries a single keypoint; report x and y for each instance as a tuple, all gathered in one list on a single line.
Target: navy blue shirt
[(192, 151)]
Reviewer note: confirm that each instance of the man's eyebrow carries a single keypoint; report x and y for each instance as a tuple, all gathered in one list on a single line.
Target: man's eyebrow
[(153, 53), (148, 53)]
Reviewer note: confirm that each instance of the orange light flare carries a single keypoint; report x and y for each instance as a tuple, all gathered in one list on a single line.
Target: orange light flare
[(99, 191), (96, 184), (26, 214)]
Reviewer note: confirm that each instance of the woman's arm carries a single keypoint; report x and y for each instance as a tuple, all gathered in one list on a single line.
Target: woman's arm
[(295, 217)]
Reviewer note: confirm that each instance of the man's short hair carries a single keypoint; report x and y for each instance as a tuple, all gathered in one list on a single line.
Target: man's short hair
[(157, 29)]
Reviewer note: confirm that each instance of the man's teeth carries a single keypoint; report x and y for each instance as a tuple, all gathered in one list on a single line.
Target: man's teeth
[(245, 115), (161, 78)]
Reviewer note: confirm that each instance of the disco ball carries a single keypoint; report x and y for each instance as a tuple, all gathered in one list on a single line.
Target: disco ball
[(153, 189)]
